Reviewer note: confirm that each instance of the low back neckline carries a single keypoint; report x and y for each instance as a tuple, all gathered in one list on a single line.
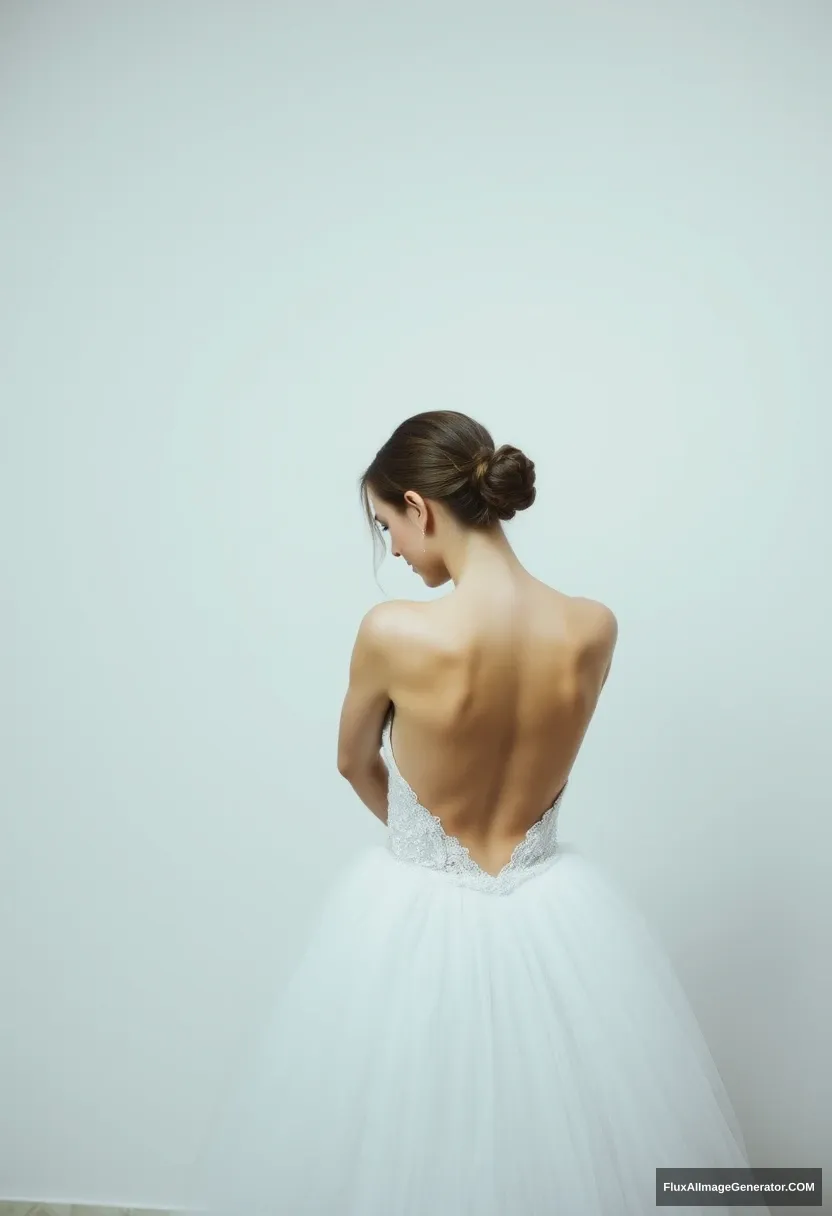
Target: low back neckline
[(535, 849)]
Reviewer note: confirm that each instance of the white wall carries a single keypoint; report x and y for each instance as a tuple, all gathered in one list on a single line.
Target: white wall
[(240, 243)]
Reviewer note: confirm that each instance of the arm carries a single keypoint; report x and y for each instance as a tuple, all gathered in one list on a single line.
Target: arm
[(363, 713), (603, 638), (610, 639)]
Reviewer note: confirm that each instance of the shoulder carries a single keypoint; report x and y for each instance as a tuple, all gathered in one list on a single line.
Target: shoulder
[(389, 621), (594, 610), (403, 636), (599, 621)]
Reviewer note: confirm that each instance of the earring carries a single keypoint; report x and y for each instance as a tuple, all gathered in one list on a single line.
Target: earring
[(423, 542)]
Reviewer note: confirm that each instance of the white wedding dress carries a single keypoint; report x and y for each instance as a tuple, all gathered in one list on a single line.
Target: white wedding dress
[(459, 1044)]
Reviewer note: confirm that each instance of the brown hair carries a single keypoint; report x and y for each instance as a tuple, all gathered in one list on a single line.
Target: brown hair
[(447, 456)]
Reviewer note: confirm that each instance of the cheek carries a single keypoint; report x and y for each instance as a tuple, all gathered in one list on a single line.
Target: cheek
[(400, 544)]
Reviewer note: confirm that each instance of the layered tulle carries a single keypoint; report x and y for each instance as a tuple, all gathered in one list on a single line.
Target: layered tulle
[(440, 1051)]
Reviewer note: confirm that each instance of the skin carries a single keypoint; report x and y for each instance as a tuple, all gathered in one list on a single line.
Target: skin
[(494, 685)]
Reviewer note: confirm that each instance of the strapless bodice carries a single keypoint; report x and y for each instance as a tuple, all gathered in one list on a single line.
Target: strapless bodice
[(415, 835)]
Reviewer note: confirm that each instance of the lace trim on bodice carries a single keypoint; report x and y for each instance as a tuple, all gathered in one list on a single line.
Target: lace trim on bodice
[(416, 835)]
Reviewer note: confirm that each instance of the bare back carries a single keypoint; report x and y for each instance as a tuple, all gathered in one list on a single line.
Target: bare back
[(492, 701)]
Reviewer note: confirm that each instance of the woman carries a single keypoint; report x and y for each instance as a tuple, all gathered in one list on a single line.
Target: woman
[(479, 1024)]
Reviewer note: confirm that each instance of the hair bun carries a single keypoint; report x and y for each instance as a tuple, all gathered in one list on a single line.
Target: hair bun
[(505, 479), (450, 458), (482, 463)]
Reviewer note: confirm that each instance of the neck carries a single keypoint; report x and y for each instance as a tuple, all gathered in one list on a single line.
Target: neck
[(480, 561)]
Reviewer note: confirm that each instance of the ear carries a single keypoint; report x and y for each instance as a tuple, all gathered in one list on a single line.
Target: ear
[(416, 503)]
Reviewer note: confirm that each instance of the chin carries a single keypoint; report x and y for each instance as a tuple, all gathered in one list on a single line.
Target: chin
[(434, 578)]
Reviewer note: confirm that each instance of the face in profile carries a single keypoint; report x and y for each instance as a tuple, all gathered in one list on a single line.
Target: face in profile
[(408, 543)]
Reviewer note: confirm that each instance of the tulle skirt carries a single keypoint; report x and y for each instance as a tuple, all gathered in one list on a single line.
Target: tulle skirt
[(440, 1051)]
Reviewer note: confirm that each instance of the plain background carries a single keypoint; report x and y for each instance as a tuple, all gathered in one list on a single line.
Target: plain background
[(240, 243)]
